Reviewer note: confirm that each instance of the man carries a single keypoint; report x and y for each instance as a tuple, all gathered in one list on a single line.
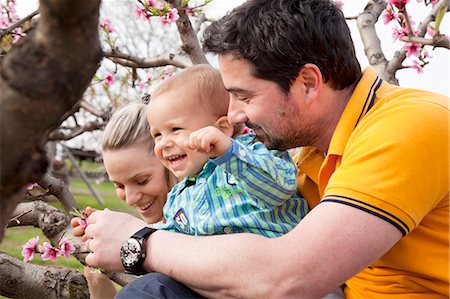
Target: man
[(374, 155)]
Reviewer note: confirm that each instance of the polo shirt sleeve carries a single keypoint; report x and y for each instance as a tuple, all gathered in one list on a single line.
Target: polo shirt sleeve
[(395, 164)]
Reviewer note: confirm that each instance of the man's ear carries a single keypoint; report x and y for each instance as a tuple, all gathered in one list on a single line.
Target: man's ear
[(223, 125), (310, 80)]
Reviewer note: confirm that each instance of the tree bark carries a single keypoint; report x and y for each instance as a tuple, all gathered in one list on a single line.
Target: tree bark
[(42, 78), (25, 280)]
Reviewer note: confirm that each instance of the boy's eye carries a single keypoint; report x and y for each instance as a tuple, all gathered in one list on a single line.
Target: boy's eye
[(176, 129), (118, 186)]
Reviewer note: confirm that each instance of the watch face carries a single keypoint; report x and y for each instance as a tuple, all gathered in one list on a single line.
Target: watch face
[(131, 253)]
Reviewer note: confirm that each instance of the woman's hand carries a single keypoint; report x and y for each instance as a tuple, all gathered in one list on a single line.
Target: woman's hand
[(79, 224)]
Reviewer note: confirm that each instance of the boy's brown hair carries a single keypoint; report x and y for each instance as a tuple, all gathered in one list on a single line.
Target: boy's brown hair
[(202, 83)]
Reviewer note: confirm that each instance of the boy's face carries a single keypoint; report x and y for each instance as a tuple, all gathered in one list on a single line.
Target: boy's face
[(172, 118)]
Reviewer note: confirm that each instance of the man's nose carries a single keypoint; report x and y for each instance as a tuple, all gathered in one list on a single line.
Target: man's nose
[(236, 113)]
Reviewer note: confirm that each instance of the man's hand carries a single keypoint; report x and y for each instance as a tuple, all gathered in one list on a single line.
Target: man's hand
[(209, 140), (106, 232)]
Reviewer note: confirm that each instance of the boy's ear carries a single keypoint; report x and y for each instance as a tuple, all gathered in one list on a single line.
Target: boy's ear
[(223, 125)]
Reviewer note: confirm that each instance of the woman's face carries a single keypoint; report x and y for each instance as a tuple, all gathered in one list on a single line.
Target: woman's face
[(139, 178)]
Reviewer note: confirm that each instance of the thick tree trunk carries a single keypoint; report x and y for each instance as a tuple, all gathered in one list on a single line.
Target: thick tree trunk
[(25, 280), (40, 80)]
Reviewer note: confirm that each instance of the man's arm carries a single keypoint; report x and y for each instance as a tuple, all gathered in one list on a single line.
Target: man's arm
[(331, 244)]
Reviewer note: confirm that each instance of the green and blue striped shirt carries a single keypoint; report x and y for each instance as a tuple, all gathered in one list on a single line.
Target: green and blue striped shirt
[(248, 189)]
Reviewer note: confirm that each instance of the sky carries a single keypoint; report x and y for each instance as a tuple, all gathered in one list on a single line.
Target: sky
[(436, 76)]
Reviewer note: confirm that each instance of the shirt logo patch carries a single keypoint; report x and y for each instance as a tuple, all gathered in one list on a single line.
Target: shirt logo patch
[(181, 221)]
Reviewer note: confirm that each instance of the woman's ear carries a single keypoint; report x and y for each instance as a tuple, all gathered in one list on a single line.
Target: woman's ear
[(223, 125)]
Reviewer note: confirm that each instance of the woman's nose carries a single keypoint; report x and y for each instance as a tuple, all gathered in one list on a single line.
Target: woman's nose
[(132, 196)]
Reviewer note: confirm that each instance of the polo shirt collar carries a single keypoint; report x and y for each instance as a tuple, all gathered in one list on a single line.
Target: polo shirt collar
[(361, 101)]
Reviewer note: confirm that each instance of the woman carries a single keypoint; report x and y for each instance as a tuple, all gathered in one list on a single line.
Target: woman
[(138, 176)]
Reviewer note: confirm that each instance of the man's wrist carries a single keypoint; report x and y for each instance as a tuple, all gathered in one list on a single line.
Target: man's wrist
[(133, 251)]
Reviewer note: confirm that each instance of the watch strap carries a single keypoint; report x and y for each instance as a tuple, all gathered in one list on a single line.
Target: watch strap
[(144, 233)]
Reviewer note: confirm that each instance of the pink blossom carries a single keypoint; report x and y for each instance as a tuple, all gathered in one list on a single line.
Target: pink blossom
[(106, 25), (83, 223), (399, 34), (426, 54), (412, 49), (30, 186), (400, 4), (109, 80), (155, 4), (29, 248), (170, 17), (140, 13), (66, 247), (49, 252), (417, 67), (388, 16), (339, 4), (190, 11)]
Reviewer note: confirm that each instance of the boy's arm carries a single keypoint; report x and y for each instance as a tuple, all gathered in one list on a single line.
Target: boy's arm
[(261, 171)]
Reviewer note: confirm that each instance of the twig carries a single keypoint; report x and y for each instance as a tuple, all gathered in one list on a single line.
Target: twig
[(8, 30)]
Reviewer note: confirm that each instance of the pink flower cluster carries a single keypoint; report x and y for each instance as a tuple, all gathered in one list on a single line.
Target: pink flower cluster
[(154, 8), (106, 25), (396, 11), (109, 80), (8, 16), (47, 251)]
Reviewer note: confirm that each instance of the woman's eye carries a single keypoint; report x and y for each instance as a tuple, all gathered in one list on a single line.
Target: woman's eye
[(143, 182)]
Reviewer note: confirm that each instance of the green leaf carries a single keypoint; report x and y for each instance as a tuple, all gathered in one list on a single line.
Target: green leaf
[(440, 17)]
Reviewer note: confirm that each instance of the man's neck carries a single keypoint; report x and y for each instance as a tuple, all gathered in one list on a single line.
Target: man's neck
[(336, 101)]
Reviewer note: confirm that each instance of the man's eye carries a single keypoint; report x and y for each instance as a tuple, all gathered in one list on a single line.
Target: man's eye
[(118, 186)]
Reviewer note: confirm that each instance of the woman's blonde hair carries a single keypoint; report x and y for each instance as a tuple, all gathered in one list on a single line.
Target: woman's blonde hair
[(128, 127)]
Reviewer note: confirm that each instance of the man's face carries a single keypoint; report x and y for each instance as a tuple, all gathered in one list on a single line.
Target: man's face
[(274, 116)]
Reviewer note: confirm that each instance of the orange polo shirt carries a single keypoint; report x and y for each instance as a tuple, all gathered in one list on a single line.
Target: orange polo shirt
[(389, 156)]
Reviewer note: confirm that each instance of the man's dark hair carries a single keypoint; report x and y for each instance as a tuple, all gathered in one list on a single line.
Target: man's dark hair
[(279, 37)]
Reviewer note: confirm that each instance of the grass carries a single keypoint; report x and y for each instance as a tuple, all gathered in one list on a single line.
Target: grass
[(17, 236)]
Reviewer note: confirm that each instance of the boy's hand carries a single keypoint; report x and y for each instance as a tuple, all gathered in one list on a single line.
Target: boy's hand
[(209, 140)]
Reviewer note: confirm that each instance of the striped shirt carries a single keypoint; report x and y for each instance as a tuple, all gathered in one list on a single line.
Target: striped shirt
[(248, 189)]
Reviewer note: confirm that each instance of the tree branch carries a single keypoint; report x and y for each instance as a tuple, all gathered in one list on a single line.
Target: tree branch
[(189, 40), (19, 23), (372, 45), (59, 189), (40, 80), (132, 61), (400, 55), (26, 280)]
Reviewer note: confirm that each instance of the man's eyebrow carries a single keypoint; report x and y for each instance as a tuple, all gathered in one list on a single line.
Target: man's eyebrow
[(236, 90)]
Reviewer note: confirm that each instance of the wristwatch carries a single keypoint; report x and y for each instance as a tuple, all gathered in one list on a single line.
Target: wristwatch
[(132, 252)]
